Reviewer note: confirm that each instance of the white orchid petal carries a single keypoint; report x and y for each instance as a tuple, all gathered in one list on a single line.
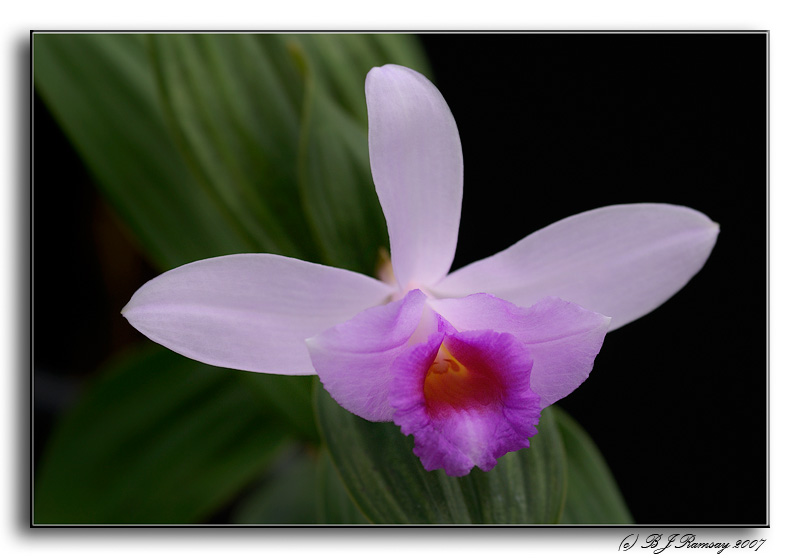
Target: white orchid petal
[(417, 166), (622, 261), (249, 311)]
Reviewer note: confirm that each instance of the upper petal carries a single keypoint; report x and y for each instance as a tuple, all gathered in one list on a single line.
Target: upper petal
[(354, 359), (417, 166), (562, 337), (249, 311), (622, 261)]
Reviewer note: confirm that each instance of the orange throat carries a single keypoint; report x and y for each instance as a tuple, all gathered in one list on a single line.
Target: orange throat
[(450, 385)]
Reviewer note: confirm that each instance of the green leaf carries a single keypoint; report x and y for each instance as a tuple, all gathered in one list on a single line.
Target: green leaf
[(301, 487), (337, 187), (592, 494), (216, 144), (233, 102), (233, 114), (102, 91), (334, 504), (287, 494), (389, 484), (157, 438), (288, 397)]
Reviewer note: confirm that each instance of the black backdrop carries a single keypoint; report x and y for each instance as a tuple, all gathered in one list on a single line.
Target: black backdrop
[(556, 124), (551, 125)]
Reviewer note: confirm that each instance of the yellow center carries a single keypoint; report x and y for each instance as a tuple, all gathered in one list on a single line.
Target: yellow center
[(450, 384)]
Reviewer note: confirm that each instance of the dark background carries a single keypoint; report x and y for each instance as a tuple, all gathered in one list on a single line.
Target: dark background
[(556, 124), (551, 125)]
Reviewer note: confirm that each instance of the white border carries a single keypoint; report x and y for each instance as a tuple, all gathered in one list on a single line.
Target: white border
[(774, 16)]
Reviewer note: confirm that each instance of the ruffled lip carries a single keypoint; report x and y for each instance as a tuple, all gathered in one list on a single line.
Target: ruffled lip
[(481, 407)]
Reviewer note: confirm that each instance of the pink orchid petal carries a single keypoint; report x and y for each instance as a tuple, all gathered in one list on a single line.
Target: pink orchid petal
[(476, 428), (417, 166), (249, 311), (622, 261), (354, 359), (562, 337)]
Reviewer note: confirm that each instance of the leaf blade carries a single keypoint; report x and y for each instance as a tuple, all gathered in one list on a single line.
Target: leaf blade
[(593, 496), (156, 439), (99, 86), (336, 185), (229, 110)]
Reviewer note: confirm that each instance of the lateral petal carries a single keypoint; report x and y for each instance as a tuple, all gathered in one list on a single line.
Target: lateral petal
[(249, 311), (417, 166), (354, 359), (622, 261), (562, 337)]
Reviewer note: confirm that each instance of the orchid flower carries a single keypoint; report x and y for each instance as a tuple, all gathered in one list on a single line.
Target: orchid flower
[(466, 361)]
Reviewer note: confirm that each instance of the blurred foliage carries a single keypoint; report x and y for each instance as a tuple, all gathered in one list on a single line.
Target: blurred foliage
[(215, 144), (157, 438), (198, 141)]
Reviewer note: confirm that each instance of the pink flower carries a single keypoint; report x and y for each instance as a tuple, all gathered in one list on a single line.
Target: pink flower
[(464, 361)]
